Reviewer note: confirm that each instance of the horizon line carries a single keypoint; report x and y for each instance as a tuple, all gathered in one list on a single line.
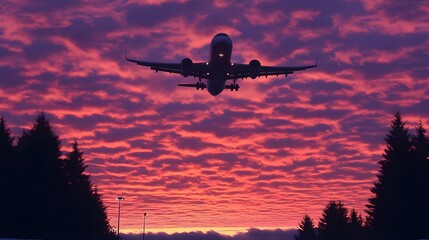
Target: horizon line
[(230, 231)]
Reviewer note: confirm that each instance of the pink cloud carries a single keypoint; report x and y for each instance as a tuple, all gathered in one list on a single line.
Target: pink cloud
[(278, 148), (377, 21), (257, 17)]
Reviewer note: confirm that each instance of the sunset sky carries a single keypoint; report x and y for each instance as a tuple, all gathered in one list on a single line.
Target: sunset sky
[(261, 157)]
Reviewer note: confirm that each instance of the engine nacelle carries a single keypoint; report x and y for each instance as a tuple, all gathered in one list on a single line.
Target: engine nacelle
[(186, 67), (255, 66)]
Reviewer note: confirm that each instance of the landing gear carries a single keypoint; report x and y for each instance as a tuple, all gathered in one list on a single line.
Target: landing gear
[(200, 85), (234, 86)]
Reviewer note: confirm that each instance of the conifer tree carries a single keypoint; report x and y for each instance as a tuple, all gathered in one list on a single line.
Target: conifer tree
[(6, 141), (6, 180), (100, 220), (78, 194), (74, 168), (42, 182), (420, 207), (334, 222), (52, 197), (390, 213), (356, 230), (306, 229), (87, 214), (420, 143)]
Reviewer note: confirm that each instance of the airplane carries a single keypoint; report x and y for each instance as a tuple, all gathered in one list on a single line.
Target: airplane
[(219, 68)]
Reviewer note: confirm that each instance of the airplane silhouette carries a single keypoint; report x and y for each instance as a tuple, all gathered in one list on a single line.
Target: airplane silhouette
[(219, 68)]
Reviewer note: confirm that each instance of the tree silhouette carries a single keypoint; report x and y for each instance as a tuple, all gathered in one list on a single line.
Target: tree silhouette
[(334, 222), (420, 178), (306, 229), (87, 214), (79, 190), (355, 229), (52, 198), (42, 181), (99, 218), (6, 178), (398, 208), (74, 169), (6, 141)]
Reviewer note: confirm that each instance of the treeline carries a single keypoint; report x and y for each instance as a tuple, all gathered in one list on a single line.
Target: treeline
[(45, 195), (399, 206)]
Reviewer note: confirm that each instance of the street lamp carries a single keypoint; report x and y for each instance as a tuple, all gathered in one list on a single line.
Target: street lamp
[(119, 210), (144, 224)]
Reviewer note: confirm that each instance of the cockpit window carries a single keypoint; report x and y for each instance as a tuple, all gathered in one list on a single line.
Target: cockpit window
[(221, 34)]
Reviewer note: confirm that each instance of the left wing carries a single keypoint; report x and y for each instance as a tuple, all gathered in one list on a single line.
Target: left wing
[(256, 70), (199, 70), (164, 67)]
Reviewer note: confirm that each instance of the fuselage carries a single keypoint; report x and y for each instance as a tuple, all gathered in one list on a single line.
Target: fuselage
[(219, 63)]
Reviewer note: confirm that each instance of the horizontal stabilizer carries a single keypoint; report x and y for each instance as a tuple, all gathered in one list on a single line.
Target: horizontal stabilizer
[(187, 85), (198, 85)]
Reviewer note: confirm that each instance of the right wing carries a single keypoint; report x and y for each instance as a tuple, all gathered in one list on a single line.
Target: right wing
[(246, 70), (198, 70)]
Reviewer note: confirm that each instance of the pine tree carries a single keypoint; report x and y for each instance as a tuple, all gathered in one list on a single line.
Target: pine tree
[(74, 169), (306, 229), (390, 214), (7, 182), (100, 220), (6, 141), (420, 151), (334, 222), (421, 143), (52, 197), (42, 182), (88, 218), (78, 193), (356, 230)]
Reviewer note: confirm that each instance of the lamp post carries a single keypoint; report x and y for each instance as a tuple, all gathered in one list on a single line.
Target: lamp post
[(119, 210), (144, 224)]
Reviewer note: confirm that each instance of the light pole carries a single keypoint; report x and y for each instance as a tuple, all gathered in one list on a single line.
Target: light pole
[(144, 224), (119, 210)]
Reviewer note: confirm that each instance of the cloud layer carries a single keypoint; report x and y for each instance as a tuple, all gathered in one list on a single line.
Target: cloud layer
[(260, 157), (250, 234)]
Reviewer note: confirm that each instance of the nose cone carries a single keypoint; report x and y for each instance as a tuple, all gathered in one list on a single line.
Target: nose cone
[(222, 38), (221, 34)]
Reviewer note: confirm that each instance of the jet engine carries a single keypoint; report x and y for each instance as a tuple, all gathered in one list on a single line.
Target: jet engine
[(254, 68), (186, 67)]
